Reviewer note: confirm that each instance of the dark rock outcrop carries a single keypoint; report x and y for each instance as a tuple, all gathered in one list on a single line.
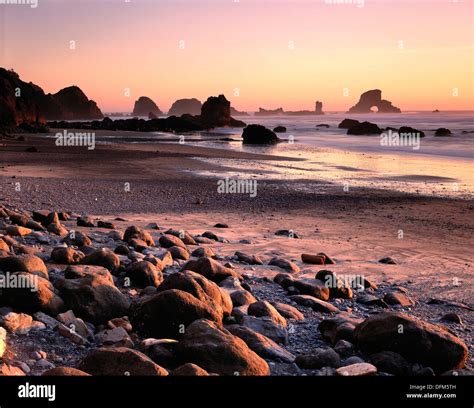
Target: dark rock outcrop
[(348, 123), (186, 106), (364, 128), (442, 132), (215, 112), (406, 130), (144, 106), (258, 134), (373, 98), (26, 104)]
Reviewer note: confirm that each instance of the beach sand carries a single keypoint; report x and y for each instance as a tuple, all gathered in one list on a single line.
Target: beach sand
[(431, 238)]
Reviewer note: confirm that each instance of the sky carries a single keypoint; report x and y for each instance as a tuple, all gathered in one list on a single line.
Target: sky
[(259, 53)]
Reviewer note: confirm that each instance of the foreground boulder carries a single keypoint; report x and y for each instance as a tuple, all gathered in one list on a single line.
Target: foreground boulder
[(135, 233), (416, 340), (24, 263), (318, 358), (284, 264), (189, 370), (93, 298), (210, 269), (103, 257), (218, 351), (81, 271), (66, 256), (64, 372), (144, 273), (314, 303), (120, 361), (168, 313), (262, 345), (339, 327), (258, 134), (33, 294), (201, 288), (312, 287)]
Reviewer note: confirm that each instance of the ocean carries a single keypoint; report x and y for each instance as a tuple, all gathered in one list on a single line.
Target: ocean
[(440, 166)]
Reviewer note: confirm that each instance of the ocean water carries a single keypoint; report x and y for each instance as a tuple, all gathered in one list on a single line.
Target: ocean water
[(441, 166)]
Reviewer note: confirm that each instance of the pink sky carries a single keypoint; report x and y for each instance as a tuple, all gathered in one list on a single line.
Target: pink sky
[(246, 46)]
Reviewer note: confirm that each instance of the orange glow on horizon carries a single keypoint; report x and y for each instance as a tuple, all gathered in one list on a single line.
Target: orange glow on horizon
[(271, 53)]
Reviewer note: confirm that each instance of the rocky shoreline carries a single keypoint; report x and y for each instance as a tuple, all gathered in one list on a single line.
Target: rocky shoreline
[(115, 298)]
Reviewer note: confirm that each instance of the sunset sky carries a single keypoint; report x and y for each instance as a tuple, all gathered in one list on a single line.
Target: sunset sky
[(276, 53)]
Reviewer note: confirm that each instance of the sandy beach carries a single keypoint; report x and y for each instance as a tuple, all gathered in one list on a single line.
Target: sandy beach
[(429, 236)]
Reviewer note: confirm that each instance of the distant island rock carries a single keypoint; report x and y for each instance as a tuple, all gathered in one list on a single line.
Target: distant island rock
[(318, 110), (144, 106), (373, 98), (258, 134), (235, 112), (271, 112), (215, 112), (186, 106), (23, 102)]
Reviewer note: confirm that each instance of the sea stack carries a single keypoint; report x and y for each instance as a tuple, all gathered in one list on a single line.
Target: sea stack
[(186, 106), (319, 108), (144, 106), (75, 105), (373, 98), (215, 112)]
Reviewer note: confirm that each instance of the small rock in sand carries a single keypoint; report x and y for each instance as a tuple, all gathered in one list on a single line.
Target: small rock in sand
[(318, 358), (357, 370), (3, 341), (452, 317), (284, 264), (388, 261)]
